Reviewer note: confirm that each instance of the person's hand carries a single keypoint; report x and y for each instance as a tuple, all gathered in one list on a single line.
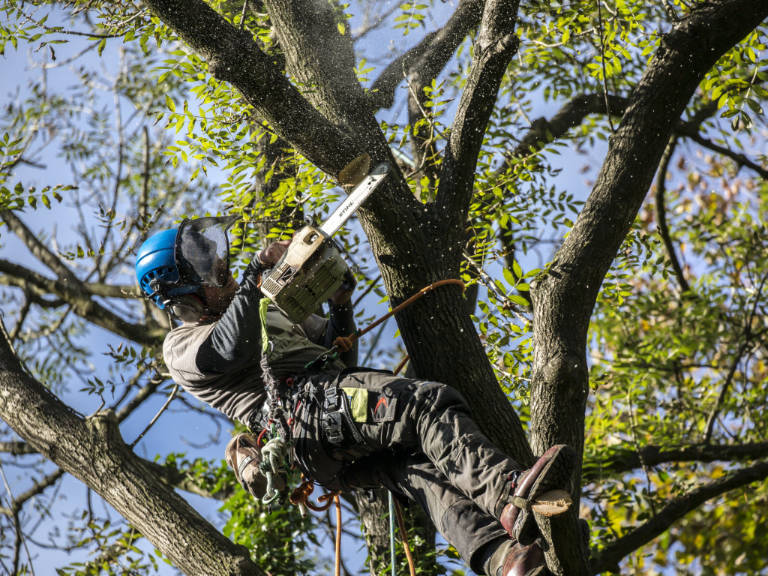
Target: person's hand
[(343, 295), (272, 253)]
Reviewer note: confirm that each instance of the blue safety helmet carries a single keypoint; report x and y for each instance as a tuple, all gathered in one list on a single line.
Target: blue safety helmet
[(179, 261), (156, 268)]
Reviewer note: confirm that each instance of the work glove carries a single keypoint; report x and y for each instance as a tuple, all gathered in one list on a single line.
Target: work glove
[(244, 457)]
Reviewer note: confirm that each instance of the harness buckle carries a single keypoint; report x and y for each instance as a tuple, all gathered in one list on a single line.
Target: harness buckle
[(333, 427), (331, 402)]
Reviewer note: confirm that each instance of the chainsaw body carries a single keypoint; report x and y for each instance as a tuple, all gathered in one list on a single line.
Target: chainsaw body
[(309, 272)]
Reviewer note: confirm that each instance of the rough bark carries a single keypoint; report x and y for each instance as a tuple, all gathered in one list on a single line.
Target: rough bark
[(564, 298), (92, 450)]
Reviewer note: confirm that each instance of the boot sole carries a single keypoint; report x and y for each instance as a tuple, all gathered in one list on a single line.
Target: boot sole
[(556, 475)]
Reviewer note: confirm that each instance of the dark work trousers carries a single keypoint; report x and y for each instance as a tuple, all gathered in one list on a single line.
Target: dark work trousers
[(413, 437)]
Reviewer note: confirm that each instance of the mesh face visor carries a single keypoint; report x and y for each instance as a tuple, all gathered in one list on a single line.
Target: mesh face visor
[(202, 251)]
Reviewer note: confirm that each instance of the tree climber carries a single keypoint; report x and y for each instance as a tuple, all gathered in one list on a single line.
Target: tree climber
[(349, 427)]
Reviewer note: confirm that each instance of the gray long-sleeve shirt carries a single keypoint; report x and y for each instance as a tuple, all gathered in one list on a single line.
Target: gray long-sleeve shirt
[(218, 362)]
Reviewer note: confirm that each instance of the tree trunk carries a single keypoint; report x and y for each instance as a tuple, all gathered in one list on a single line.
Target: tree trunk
[(564, 298)]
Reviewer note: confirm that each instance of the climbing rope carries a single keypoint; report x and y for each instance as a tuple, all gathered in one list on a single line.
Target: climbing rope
[(338, 533), (300, 497), (345, 343), (404, 536)]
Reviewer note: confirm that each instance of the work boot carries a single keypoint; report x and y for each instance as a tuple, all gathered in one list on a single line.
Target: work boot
[(523, 561), (550, 472)]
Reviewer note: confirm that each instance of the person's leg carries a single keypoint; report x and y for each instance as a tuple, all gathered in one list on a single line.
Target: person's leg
[(407, 414), (473, 533)]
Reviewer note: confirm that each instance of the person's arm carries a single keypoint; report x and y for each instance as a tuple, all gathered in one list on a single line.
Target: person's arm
[(236, 338), (341, 321), (237, 334)]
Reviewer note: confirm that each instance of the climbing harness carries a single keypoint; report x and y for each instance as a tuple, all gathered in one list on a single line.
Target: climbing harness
[(276, 452)]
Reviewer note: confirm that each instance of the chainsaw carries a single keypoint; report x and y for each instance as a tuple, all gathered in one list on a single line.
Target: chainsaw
[(312, 268)]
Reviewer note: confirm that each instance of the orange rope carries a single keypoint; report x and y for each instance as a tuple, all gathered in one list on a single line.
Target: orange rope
[(300, 497), (404, 536), (344, 343), (400, 366)]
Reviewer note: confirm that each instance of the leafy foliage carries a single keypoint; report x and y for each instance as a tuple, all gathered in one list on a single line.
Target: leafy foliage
[(144, 135)]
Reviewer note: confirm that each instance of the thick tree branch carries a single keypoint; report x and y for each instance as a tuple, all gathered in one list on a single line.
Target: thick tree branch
[(167, 473), (17, 448), (427, 59), (621, 461), (321, 58), (495, 46), (661, 215), (113, 290), (38, 249), (564, 299), (93, 451), (37, 489), (233, 56), (571, 114), (609, 557), (77, 296)]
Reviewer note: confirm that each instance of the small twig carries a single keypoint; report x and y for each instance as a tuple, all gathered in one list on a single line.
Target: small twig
[(159, 413), (488, 283), (732, 371), (374, 344), (378, 22), (22, 317), (373, 283), (242, 14), (16, 522), (602, 64), (62, 30), (661, 215), (740, 159), (71, 59), (643, 464)]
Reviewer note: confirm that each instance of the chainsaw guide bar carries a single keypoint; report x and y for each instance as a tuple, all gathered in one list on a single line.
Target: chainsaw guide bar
[(312, 268)]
